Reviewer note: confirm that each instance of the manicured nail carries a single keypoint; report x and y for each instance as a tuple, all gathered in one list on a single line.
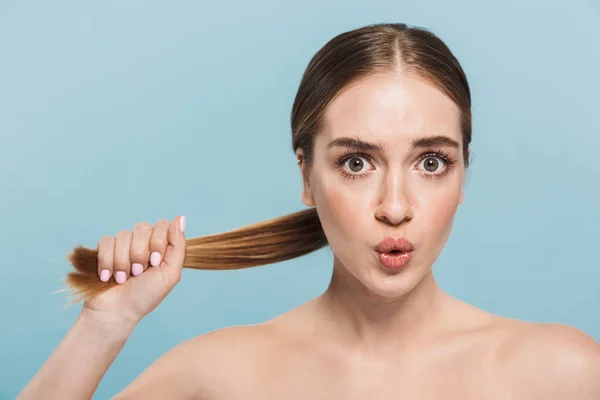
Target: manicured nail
[(182, 224), (137, 269), (120, 277), (105, 275), (155, 259)]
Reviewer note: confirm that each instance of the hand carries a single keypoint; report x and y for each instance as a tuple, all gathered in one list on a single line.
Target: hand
[(146, 263)]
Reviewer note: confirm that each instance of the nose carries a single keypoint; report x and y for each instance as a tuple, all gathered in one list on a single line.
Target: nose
[(394, 206)]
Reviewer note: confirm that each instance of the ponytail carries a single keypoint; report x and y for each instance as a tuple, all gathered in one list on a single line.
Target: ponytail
[(263, 243)]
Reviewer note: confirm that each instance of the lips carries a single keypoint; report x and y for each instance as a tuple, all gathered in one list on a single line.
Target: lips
[(392, 244), (395, 253)]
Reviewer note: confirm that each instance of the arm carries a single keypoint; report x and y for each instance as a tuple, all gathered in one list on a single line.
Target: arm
[(77, 365)]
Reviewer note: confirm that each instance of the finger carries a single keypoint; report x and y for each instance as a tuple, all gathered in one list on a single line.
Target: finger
[(140, 248), (106, 251), (159, 242), (175, 255), (122, 260)]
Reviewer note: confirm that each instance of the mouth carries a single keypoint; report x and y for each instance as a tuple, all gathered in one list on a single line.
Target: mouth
[(395, 244), (395, 253), (395, 260)]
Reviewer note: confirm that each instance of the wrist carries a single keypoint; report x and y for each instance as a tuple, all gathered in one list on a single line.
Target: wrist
[(109, 325)]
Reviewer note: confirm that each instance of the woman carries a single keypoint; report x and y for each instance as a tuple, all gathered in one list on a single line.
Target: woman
[(381, 128)]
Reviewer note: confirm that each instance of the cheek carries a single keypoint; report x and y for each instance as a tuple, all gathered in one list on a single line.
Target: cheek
[(438, 211), (341, 208)]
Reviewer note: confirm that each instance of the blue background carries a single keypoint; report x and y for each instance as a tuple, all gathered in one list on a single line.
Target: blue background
[(116, 112)]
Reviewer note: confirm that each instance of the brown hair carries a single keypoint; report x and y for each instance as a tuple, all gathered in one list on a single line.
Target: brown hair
[(342, 61)]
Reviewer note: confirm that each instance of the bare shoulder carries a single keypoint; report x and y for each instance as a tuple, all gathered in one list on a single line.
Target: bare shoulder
[(236, 340), (216, 364), (569, 348), (558, 359)]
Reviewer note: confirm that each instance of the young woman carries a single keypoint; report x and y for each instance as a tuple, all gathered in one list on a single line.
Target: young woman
[(381, 128)]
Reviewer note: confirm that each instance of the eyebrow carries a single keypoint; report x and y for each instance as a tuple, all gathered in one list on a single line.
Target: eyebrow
[(427, 141), (434, 141)]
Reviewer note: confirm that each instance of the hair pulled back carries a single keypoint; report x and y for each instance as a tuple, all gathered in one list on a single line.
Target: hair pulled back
[(340, 62)]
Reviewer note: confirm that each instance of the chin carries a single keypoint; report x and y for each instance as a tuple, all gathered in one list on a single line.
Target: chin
[(375, 281), (390, 287), (386, 285)]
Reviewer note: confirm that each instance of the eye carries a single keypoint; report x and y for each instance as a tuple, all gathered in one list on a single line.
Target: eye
[(432, 164), (356, 164), (435, 165)]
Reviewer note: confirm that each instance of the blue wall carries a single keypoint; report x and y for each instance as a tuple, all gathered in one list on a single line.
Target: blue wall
[(116, 112)]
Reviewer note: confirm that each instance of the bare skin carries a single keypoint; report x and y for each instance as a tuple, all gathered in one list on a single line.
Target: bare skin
[(468, 354), (375, 333)]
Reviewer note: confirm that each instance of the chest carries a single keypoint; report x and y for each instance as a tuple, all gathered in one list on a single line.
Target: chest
[(385, 383), (321, 378)]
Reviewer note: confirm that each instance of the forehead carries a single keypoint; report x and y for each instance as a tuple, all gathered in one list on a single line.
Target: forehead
[(392, 107)]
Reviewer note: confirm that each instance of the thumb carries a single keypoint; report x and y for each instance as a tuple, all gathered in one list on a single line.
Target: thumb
[(175, 253)]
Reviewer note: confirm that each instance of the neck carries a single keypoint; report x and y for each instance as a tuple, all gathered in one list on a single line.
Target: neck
[(358, 316)]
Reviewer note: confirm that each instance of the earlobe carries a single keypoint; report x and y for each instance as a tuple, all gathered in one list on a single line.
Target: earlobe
[(306, 196), (307, 200)]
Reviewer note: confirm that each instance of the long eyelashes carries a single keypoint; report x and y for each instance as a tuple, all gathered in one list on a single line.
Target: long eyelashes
[(448, 163), (348, 155)]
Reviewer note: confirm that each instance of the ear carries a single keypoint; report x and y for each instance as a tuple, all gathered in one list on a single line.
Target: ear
[(462, 194), (307, 196)]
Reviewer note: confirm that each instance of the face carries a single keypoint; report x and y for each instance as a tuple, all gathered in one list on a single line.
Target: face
[(388, 162)]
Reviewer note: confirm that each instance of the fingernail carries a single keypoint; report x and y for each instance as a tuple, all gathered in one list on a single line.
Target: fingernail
[(137, 269), (120, 277), (182, 224), (155, 259), (104, 275)]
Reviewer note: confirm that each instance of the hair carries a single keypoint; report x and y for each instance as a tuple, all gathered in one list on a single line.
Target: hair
[(342, 61)]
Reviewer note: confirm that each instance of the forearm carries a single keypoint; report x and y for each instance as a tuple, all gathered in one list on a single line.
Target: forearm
[(77, 365)]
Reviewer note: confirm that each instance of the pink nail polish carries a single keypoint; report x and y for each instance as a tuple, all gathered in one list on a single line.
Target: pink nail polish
[(120, 277), (182, 224), (155, 259), (137, 269), (104, 275)]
